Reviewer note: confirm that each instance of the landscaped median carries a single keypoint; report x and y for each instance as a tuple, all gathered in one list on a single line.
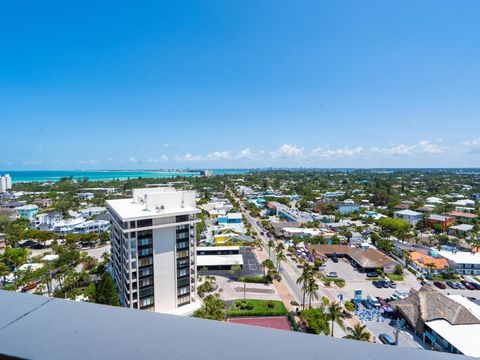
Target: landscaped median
[(251, 307)]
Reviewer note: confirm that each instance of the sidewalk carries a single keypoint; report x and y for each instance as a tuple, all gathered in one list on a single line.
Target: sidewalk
[(280, 286)]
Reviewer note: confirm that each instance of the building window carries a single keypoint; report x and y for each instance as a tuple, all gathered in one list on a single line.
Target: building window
[(182, 272), (183, 290), (181, 218), (144, 223)]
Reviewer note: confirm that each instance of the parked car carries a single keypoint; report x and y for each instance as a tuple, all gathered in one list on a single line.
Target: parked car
[(385, 284), (367, 304), (332, 274), (381, 301), (335, 259), (374, 301), (372, 274), (452, 284), (392, 284), (377, 284), (386, 339), (468, 285), (440, 284)]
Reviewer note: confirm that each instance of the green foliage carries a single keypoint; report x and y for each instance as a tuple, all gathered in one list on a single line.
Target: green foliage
[(105, 292), (253, 279), (213, 309), (257, 308), (397, 227), (316, 321), (291, 320), (349, 305)]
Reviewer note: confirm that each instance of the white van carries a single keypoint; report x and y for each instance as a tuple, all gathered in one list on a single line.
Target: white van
[(374, 301)]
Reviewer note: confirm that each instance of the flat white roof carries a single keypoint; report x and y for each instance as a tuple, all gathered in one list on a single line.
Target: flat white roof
[(218, 248), (408, 213), (234, 215), (461, 257), (219, 260), (462, 227), (127, 209)]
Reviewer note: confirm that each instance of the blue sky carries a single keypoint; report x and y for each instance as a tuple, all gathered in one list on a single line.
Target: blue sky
[(230, 84)]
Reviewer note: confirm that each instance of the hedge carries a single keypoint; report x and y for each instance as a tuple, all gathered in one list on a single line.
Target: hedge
[(291, 320), (252, 279)]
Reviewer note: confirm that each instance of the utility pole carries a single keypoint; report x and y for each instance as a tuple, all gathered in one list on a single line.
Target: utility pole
[(397, 330)]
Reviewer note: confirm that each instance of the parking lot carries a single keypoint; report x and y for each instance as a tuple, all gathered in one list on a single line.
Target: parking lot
[(357, 280)]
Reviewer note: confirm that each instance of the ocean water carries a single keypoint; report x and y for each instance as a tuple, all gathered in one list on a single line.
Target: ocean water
[(50, 175)]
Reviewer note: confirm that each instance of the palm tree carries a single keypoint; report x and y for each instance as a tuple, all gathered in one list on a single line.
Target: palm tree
[(271, 244), (336, 315), (311, 289), (431, 267), (358, 333), (303, 280), (280, 257)]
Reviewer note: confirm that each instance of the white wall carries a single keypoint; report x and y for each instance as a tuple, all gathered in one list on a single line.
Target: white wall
[(164, 268)]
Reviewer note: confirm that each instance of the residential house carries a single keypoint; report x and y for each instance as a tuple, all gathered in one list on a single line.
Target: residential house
[(27, 211), (463, 216), (10, 213), (411, 216), (426, 264), (43, 203), (347, 207), (444, 221), (462, 229)]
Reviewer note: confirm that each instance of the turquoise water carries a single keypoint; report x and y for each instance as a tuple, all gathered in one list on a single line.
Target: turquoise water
[(27, 176)]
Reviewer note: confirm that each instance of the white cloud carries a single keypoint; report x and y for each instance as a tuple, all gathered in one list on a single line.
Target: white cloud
[(189, 157), (288, 151), (245, 154), (220, 155), (162, 158), (422, 147), (339, 152), (132, 159)]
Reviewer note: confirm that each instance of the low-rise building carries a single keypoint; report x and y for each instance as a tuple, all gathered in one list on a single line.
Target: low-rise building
[(92, 226), (43, 203), (447, 323), (27, 211), (366, 260), (347, 207), (461, 229), (411, 216), (463, 216), (444, 221), (10, 213), (426, 264), (464, 263)]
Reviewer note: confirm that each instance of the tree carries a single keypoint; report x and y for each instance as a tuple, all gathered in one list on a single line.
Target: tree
[(280, 257), (336, 315), (213, 309), (271, 244), (358, 332), (14, 258), (311, 290), (234, 270), (105, 292), (303, 280), (316, 320)]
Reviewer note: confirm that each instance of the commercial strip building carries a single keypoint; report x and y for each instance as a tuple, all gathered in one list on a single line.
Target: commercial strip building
[(464, 263), (366, 260), (447, 323), (154, 250)]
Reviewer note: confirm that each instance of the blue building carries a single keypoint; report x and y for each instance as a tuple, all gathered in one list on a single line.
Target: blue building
[(27, 212)]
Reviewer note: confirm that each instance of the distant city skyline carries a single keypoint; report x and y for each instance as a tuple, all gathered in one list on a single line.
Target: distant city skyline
[(158, 85)]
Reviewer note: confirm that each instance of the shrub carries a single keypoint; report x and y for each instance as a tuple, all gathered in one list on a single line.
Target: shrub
[(253, 279), (270, 304), (293, 323), (349, 305), (294, 303), (257, 308)]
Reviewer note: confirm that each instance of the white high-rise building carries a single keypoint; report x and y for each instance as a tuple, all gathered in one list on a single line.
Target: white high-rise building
[(154, 250), (5, 183)]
